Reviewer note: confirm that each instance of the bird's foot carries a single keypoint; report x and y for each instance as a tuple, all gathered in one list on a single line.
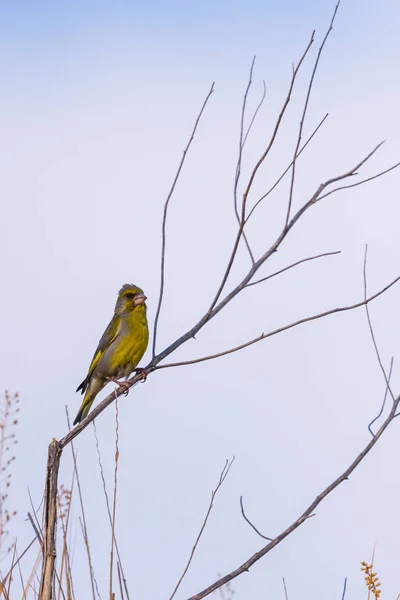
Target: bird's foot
[(124, 384), (142, 372)]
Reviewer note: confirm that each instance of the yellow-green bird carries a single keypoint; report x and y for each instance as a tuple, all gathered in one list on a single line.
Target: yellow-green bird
[(121, 347)]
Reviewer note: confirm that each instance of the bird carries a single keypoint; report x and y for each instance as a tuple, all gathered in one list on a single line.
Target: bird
[(121, 347)]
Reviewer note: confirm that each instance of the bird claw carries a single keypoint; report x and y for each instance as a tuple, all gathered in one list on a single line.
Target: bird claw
[(124, 384), (142, 372)]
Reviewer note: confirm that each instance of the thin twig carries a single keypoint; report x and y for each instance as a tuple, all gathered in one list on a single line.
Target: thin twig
[(384, 400), (164, 221), (240, 155), (36, 530), (344, 588), (306, 514), (284, 588), (306, 103), (277, 182), (121, 589), (253, 175), (252, 120), (83, 524), (299, 262), (114, 497), (20, 557), (264, 336), (221, 480), (345, 187), (108, 505), (378, 356), (250, 523), (13, 565)]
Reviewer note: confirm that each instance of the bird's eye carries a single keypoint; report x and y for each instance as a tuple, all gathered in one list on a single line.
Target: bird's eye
[(130, 296)]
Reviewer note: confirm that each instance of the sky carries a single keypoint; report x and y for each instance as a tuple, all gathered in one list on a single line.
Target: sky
[(97, 104)]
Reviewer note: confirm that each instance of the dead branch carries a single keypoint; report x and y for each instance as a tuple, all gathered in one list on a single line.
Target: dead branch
[(371, 330), (241, 147), (114, 496), (250, 523), (306, 514), (264, 336), (303, 116), (50, 514), (164, 221), (298, 262), (271, 189), (222, 477), (254, 173)]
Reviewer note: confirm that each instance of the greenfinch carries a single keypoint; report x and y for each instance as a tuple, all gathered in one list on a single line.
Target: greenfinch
[(121, 347)]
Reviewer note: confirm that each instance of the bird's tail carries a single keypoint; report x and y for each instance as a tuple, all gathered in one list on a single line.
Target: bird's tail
[(85, 407)]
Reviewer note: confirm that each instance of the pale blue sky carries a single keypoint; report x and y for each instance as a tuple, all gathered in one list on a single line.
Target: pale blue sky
[(97, 102)]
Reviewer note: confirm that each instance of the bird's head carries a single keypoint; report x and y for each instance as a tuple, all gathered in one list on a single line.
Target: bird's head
[(129, 297)]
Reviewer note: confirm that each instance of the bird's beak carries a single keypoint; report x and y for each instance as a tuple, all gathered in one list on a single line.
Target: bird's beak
[(140, 299)]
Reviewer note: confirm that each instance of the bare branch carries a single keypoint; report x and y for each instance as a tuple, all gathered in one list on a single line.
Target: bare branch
[(284, 588), (384, 400), (310, 85), (259, 105), (307, 513), (103, 480), (239, 161), (344, 588), (114, 497), (210, 315), (264, 336), (83, 522), (221, 480), (299, 262), (164, 221), (250, 523), (345, 187), (253, 175), (378, 356), (287, 168)]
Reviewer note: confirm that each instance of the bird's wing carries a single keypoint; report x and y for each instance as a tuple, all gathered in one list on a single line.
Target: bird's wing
[(106, 340)]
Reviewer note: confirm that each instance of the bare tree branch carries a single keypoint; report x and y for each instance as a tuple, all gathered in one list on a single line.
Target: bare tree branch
[(164, 221), (344, 588), (114, 497), (250, 523), (378, 356), (345, 187), (284, 588), (299, 262), (241, 146), (264, 336), (287, 168), (299, 137), (83, 522), (243, 568), (103, 481), (384, 400), (221, 480), (253, 175)]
